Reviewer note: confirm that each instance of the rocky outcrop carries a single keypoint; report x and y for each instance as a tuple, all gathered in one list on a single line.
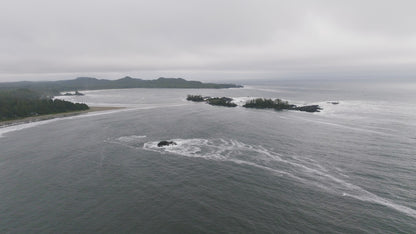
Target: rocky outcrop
[(195, 98), (166, 143), (258, 103), (214, 101), (311, 108), (221, 101), (74, 94), (278, 104)]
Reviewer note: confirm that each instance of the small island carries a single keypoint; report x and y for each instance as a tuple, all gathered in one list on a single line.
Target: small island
[(333, 102), (258, 103), (277, 104), (214, 101), (221, 101), (261, 103), (74, 94), (195, 98)]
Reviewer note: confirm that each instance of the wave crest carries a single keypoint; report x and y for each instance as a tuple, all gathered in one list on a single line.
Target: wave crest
[(303, 169)]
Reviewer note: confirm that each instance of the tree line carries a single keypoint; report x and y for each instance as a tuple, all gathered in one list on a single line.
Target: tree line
[(258, 103), (263, 103), (21, 103)]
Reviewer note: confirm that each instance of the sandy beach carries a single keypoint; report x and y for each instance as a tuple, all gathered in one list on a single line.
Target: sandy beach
[(53, 116)]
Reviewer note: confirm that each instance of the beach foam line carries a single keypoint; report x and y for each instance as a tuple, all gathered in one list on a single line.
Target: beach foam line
[(18, 126), (306, 171), (100, 111)]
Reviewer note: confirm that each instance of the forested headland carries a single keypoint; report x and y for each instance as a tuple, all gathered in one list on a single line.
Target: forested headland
[(26, 99), (21, 103)]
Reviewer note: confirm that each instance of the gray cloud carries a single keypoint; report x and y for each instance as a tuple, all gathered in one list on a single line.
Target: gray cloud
[(214, 39)]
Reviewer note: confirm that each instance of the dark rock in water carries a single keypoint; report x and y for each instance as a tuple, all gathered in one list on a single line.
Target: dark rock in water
[(195, 98), (311, 108), (166, 143), (74, 94), (334, 103)]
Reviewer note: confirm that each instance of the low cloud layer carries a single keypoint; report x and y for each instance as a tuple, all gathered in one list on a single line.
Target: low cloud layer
[(206, 40)]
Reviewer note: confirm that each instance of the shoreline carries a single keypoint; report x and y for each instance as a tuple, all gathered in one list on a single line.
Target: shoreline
[(38, 118)]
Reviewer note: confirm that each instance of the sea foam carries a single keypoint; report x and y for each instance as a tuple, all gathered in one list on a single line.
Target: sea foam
[(304, 170)]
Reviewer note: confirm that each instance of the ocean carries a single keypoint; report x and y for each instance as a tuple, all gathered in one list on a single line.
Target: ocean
[(350, 168)]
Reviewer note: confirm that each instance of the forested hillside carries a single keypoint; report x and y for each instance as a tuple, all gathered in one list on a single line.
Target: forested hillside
[(20, 103), (88, 83)]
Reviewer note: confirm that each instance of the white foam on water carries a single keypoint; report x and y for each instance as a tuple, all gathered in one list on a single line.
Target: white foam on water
[(19, 127), (274, 90), (356, 109), (344, 126), (305, 170), (240, 101), (133, 141), (378, 200), (22, 126), (133, 138), (361, 119)]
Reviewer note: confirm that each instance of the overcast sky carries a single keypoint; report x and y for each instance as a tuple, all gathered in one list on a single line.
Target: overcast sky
[(206, 39)]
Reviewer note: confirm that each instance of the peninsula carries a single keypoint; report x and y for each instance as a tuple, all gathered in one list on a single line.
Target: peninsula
[(25, 99), (22, 103)]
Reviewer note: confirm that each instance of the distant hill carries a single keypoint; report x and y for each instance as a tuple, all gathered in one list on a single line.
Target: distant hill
[(88, 83)]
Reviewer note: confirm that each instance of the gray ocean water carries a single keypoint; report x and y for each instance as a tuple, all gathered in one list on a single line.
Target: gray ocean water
[(348, 169)]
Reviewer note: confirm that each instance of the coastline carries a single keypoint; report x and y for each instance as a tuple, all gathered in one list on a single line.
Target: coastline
[(14, 122)]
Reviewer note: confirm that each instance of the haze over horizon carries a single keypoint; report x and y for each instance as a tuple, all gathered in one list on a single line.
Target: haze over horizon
[(207, 40)]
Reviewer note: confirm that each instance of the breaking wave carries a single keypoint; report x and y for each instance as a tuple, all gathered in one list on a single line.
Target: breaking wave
[(305, 170), (20, 126)]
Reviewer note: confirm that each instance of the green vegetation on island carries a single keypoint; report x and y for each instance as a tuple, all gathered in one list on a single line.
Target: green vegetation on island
[(310, 108), (26, 99), (221, 101), (21, 103), (195, 98), (277, 104), (214, 101), (258, 103), (262, 103)]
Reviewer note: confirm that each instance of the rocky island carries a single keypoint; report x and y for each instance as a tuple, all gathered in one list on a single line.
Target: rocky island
[(221, 101), (214, 101), (74, 94), (258, 103), (22, 103), (196, 98), (277, 104), (166, 143)]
